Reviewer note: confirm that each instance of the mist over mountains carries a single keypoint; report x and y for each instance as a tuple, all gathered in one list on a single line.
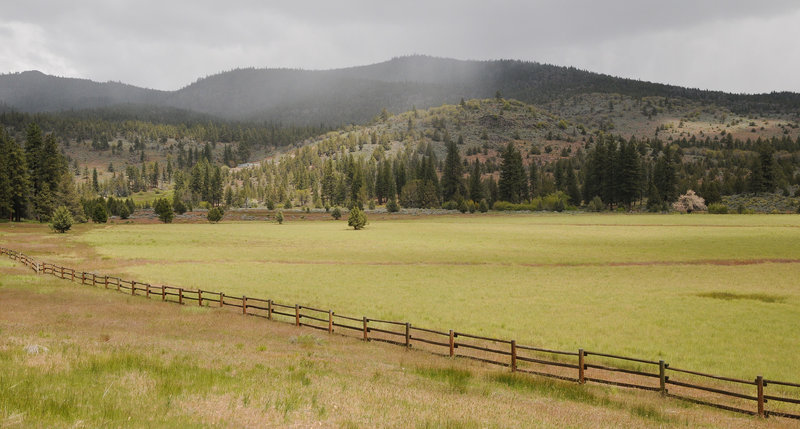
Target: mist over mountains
[(356, 94)]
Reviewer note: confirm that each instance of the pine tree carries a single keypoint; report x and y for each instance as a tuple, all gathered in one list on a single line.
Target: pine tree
[(475, 185), (513, 185), (452, 174)]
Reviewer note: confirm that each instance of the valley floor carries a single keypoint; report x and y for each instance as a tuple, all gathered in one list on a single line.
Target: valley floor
[(75, 356)]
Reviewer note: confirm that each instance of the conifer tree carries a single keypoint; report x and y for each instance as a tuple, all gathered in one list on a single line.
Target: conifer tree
[(513, 185)]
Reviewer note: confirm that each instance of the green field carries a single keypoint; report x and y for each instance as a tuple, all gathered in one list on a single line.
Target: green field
[(711, 293)]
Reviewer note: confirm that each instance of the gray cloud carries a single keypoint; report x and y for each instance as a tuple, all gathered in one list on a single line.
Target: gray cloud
[(730, 45)]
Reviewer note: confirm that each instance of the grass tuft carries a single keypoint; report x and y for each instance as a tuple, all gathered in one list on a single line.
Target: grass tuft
[(729, 296), (456, 379)]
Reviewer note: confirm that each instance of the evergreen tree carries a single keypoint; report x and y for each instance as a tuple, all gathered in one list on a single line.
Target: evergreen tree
[(62, 220), (475, 185), (572, 187), (14, 193), (513, 185), (452, 174), (533, 177)]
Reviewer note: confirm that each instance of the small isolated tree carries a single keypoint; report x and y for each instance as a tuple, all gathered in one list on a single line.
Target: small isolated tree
[(689, 202), (99, 214), (179, 207), (279, 217), (163, 209), (124, 213), (336, 213), (392, 206), (62, 220), (214, 215), (357, 218)]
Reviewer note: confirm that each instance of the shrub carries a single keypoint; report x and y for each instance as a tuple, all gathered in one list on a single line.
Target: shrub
[(718, 208), (357, 218), (450, 205), (462, 206), (163, 209), (99, 214), (596, 205), (288, 204), (471, 206), (179, 207), (123, 212), (270, 204), (279, 217), (215, 215), (336, 213), (392, 206), (483, 206), (689, 202), (372, 204), (62, 220)]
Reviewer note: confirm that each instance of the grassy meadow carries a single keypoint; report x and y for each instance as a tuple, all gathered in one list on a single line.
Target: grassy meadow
[(75, 357), (711, 293)]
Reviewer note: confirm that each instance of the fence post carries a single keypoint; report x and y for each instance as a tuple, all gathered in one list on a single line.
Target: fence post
[(199, 297), (581, 378), (244, 304), (296, 315), (83, 277), (73, 274), (760, 387), (662, 377), (147, 290), (408, 335), (366, 335), (106, 282), (452, 343), (221, 299), (330, 321), (513, 356), (133, 287), (269, 309), (163, 293), (180, 295)]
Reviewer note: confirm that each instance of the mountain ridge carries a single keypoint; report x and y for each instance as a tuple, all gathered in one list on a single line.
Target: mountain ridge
[(357, 94)]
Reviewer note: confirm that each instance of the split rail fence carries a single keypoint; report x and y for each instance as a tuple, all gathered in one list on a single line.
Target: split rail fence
[(581, 366)]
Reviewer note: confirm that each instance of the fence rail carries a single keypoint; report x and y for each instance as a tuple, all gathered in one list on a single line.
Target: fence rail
[(726, 393)]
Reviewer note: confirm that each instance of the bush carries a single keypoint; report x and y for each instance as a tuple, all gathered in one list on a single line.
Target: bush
[(336, 213), (163, 209), (372, 204), (483, 206), (99, 214), (279, 217), (62, 220), (596, 205), (471, 206), (357, 218), (689, 202), (450, 205), (392, 206), (214, 215), (462, 206), (123, 212), (270, 204), (179, 207), (288, 204), (718, 208)]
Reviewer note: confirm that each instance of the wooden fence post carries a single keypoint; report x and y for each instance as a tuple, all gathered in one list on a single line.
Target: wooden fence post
[(581, 367), (513, 356), (133, 287), (366, 334), (269, 309), (163, 293), (221, 299), (760, 387), (199, 297), (330, 321), (452, 343), (147, 290), (244, 304), (106, 282), (83, 277), (180, 295), (408, 335), (296, 315), (73, 275), (662, 377)]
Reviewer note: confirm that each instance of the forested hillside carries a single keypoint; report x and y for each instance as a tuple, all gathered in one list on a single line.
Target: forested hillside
[(354, 95)]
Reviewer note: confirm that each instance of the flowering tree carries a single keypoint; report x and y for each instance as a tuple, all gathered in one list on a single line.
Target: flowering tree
[(689, 202)]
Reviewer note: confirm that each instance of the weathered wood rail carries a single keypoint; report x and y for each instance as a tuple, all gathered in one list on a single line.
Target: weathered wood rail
[(732, 394)]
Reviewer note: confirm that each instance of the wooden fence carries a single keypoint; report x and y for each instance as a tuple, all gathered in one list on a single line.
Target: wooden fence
[(581, 366)]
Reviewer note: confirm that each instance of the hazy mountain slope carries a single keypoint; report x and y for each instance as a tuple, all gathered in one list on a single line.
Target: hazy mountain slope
[(357, 94), (33, 91)]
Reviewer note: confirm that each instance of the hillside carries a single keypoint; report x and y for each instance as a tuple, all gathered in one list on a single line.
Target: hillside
[(357, 94)]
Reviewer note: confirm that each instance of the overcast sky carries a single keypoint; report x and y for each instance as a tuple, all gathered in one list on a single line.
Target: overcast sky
[(731, 45)]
